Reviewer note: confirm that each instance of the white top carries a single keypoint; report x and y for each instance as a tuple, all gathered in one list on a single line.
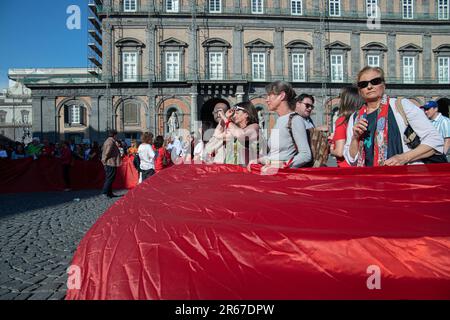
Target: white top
[(281, 145), (147, 156), (417, 119)]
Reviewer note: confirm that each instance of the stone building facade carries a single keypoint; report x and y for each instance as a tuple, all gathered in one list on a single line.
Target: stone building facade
[(152, 58), (16, 113)]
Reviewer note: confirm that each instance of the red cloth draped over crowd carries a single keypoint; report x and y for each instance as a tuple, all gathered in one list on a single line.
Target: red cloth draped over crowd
[(46, 174), (219, 232)]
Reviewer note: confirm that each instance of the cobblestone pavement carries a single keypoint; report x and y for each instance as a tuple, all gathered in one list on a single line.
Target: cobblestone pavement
[(39, 233)]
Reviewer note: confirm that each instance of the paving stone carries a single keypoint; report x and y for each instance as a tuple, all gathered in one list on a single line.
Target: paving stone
[(39, 233), (40, 296), (9, 296), (23, 296)]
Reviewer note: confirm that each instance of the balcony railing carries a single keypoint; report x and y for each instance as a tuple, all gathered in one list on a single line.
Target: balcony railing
[(306, 12), (64, 79)]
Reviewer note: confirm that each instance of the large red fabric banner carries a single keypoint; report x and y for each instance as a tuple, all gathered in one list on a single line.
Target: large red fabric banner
[(46, 174), (218, 232)]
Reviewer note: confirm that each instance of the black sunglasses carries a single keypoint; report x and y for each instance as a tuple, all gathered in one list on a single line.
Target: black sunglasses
[(309, 106), (374, 82)]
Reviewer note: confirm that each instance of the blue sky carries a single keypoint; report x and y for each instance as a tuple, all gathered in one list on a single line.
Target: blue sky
[(33, 34)]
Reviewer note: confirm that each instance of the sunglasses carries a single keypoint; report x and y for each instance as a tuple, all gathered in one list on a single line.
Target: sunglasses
[(309, 106), (236, 108), (374, 82)]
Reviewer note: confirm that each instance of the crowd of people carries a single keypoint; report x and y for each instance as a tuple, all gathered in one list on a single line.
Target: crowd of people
[(35, 149), (372, 129)]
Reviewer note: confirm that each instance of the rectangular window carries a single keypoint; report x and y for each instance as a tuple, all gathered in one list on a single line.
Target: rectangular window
[(130, 113), (215, 6), (408, 9), (372, 8), (3, 117), (337, 68), (259, 66), (373, 61), (172, 5), (25, 116), (216, 66), (443, 10), (130, 5), (335, 8), (172, 66), (75, 114), (444, 69), (258, 6), (409, 72), (298, 67), (129, 66), (296, 7)]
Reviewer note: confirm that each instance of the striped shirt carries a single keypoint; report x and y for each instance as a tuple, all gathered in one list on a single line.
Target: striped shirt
[(442, 124)]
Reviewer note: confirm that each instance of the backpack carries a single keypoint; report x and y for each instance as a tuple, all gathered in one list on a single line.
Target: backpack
[(318, 143), (137, 162)]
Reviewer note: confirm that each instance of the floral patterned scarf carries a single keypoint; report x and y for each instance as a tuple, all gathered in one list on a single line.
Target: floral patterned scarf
[(381, 135)]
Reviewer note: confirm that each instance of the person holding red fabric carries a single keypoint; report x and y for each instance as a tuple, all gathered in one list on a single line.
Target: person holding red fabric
[(350, 101), (162, 159), (375, 134)]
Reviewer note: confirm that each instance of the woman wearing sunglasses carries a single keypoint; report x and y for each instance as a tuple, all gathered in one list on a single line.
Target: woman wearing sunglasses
[(375, 132), (239, 129)]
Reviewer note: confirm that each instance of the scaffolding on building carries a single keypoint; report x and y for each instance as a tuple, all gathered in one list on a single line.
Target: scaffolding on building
[(325, 72)]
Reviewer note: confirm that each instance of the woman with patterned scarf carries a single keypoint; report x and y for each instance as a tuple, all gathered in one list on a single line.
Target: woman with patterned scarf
[(375, 133)]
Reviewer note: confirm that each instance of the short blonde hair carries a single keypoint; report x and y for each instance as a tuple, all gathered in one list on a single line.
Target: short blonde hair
[(368, 68)]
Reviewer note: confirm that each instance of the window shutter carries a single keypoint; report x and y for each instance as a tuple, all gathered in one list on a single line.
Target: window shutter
[(66, 114), (82, 115)]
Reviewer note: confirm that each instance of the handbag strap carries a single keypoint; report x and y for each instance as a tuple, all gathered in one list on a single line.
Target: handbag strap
[(399, 106)]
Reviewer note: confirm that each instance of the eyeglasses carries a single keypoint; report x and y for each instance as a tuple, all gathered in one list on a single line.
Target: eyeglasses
[(374, 82), (309, 106)]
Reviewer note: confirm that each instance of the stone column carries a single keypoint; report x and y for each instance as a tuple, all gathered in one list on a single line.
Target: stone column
[(193, 54), (278, 52), (426, 7), (49, 117), (389, 7), (151, 112), (104, 122), (354, 5), (237, 53), (94, 120), (391, 71), (37, 116), (151, 30), (194, 96), (356, 53), (427, 56), (107, 51), (318, 54)]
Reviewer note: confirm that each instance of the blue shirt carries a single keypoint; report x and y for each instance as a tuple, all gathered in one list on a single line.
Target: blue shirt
[(442, 124)]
